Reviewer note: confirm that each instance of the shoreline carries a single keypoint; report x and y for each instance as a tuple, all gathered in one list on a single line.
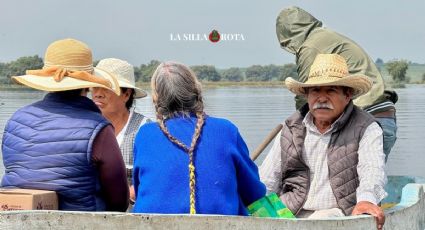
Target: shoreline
[(206, 85), (224, 84), (209, 85)]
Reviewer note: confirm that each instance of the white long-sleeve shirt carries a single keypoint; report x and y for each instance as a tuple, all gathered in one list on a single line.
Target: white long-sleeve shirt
[(370, 168)]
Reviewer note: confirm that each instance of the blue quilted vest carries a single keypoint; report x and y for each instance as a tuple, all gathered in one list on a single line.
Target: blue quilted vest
[(48, 145)]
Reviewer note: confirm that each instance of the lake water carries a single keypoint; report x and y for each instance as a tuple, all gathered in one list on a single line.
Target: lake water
[(256, 111)]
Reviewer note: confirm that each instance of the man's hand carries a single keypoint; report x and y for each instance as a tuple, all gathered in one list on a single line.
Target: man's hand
[(365, 207)]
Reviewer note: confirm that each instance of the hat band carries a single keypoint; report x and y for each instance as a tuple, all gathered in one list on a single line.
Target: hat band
[(59, 73), (88, 68)]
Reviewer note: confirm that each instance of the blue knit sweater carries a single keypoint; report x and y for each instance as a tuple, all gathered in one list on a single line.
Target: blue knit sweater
[(226, 179)]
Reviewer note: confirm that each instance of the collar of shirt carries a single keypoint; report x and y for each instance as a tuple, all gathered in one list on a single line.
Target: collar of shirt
[(309, 124), (120, 136)]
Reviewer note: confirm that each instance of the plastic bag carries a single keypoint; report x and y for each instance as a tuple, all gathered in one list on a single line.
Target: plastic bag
[(270, 206)]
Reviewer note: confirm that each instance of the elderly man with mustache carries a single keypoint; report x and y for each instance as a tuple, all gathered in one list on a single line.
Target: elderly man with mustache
[(328, 160), (303, 35)]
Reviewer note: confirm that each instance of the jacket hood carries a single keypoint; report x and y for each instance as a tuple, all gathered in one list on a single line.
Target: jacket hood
[(293, 25)]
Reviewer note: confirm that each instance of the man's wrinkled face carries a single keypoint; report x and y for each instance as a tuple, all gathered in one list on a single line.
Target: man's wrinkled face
[(327, 103)]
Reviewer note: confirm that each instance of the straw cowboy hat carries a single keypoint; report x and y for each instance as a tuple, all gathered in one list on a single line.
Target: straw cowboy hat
[(123, 72), (68, 65), (330, 70)]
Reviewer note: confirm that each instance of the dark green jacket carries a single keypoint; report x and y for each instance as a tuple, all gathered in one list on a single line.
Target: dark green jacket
[(302, 34)]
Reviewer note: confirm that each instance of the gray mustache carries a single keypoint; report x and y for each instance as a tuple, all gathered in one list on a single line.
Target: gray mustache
[(324, 105)]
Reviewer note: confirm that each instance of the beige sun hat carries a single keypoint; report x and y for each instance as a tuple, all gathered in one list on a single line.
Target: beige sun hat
[(124, 73), (68, 65), (330, 70)]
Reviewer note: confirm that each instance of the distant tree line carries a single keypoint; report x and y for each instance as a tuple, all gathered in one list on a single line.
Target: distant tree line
[(252, 73), (235, 74), (144, 72), (396, 68), (18, 67)]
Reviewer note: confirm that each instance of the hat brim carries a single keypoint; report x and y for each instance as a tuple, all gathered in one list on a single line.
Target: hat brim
[(138, 93), (361, 84), (47, 83)]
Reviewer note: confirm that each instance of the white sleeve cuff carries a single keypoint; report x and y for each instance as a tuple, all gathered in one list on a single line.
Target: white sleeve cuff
[(367, 196), (372, 197)]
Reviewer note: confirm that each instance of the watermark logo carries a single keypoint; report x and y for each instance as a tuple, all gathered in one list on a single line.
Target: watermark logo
[(214, 37)]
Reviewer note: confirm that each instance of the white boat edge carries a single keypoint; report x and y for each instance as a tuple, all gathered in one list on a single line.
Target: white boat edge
[(408, 214)]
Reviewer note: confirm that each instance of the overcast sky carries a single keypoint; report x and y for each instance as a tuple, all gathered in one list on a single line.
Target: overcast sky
[(139, 31)]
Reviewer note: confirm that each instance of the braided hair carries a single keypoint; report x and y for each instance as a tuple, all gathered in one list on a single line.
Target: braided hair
[(176, 91)]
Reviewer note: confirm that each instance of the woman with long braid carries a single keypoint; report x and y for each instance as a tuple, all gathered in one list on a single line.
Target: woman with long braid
[(189, 162)]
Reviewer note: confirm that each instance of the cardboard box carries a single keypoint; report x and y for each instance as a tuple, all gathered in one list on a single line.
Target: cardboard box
[(27, 199)]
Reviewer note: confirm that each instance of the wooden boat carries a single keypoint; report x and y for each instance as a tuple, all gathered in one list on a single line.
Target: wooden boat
[(407, 193)]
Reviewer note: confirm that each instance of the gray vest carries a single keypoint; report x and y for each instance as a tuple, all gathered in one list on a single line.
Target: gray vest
[(342, 158), (128, 142)]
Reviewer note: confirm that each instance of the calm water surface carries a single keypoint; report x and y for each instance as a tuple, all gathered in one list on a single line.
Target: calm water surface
[(256, 111)]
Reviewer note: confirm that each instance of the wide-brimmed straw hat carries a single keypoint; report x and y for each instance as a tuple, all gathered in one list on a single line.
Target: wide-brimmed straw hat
[(68, 65), (123, 72), (330, 70)]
